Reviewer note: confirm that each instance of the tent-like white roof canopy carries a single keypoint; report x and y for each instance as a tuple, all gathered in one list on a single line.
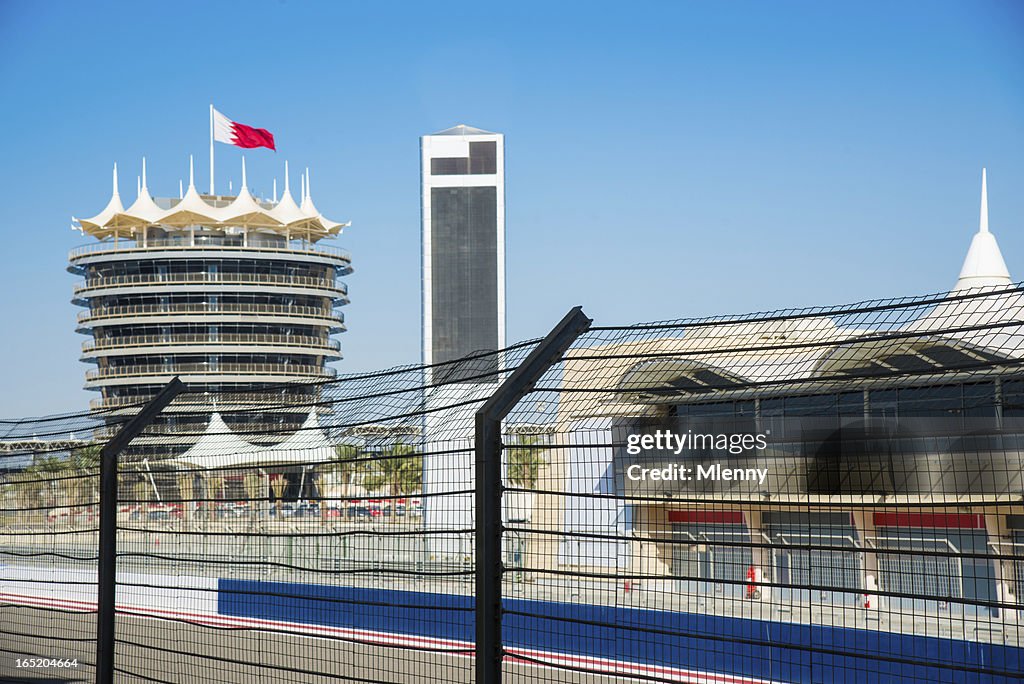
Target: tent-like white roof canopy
[(219, 447), (285, 216)]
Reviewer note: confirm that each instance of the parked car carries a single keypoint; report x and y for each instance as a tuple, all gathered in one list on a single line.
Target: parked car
[(307, 509), (163, 512), (232, 509)]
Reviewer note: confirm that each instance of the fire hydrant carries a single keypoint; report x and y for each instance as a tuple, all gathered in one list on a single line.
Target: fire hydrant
[(752, 591)]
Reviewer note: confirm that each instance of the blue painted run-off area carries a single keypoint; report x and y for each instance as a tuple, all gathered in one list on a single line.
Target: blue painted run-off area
[(780, 651)]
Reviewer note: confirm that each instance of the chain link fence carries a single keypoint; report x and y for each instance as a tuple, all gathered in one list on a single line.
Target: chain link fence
[(823, 495)]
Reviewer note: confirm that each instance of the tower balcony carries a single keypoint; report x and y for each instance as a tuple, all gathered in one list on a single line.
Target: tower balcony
[(216, 247), (206, 373), (208, 312), (206, 282), (222, 401), (174, 343)]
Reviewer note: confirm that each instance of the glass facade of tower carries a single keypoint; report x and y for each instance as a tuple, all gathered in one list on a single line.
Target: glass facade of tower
[(464, 222)]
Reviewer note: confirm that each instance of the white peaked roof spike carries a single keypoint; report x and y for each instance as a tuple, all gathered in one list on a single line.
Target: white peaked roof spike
[(244, 210), (192, 209), (114, 207), (144, 210), (310, 210), (984, 265), (286, 211), (306, 198), (983, 219), (275, 191)]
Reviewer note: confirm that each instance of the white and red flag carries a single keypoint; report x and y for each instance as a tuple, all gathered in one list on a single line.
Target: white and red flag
[(233, 133)]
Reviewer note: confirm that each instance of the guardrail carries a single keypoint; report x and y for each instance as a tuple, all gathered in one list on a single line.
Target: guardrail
[(302, 341), (206, 308), (212, 369), (119, 247), (211, 279)]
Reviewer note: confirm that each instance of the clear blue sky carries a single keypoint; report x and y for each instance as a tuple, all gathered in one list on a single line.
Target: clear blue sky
[(663, 159)]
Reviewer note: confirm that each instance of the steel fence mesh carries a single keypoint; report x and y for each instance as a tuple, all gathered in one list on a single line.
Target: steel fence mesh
[(870, 526), (869, 538)]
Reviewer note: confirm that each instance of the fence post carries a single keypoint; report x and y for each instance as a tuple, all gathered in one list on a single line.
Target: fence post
[(489, 488), (106, 577)]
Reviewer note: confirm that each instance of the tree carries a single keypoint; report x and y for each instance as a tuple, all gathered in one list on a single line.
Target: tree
[(524, 460), (398, 468), (84, 464), (47, 481), (347, 463)]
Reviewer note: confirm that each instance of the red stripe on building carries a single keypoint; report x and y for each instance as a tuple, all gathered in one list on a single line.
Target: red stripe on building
[(714, 517), (969, 521)]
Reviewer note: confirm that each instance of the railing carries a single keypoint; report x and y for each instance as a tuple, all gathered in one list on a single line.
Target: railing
[(205, 244), (194, 401), (206, 308), (303, 341), (250, 430), (212, 369), (211, 278)]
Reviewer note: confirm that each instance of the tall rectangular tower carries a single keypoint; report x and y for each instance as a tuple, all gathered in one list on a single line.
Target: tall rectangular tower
[(463, 219)]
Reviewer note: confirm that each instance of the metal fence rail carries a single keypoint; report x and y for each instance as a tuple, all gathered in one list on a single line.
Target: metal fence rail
[(847, 506)]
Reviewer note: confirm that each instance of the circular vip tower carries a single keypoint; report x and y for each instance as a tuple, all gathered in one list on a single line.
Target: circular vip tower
[(230, 293)]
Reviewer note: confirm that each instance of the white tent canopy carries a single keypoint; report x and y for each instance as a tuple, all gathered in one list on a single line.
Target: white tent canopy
[(284, 217), (219, 447)]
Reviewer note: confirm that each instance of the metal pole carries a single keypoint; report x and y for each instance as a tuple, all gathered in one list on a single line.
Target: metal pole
[(489, 488), (106, 577), (211, 148)]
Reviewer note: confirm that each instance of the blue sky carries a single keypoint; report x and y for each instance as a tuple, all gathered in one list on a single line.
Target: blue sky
[(663, 160)]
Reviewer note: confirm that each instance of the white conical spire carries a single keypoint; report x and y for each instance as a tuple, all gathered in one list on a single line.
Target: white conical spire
[(983, 220), (984, 265), (307, 205), (244, 210), (310, 210), (144, 211), (286, 211), (114, 207), (275, 191), (192, 210)]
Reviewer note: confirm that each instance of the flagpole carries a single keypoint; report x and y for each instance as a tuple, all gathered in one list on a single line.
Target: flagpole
[(211, 148)]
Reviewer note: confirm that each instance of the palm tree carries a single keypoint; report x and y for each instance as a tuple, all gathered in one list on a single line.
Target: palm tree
[(398, 468), (46, 473), (84, 464), (347, 463), (524, 460)]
